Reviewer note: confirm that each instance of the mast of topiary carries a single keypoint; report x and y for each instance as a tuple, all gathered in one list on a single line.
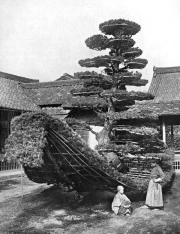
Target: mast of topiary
[(111, 83)]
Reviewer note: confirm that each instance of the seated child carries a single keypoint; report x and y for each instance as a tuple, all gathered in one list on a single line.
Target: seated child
[(121, 204)]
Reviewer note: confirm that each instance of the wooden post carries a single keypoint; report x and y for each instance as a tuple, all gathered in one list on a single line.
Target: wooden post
[(22, 181), (172, 136), (164, 130)]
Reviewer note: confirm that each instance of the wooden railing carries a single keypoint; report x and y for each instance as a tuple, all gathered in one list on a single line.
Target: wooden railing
[(4, 166), (176, 163)]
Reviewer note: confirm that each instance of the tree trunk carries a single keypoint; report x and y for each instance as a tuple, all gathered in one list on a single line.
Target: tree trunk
[(103, 137)]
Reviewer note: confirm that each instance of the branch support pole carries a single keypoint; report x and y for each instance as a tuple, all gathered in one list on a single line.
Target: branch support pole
[(172, 136), (164, 130), (22, 192)]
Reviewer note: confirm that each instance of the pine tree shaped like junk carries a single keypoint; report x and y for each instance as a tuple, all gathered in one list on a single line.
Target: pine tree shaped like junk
[(111, 83)]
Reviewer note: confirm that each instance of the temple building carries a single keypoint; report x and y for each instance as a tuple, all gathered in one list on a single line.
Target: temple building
[(19, 94), (165, 86)]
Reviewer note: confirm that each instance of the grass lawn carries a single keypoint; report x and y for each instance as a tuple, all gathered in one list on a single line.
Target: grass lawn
[(46, 209)]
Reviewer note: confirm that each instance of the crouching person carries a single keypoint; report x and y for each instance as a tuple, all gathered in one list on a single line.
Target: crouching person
[(121, 204)]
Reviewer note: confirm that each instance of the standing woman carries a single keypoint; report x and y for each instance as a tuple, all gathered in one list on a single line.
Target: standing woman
[(154, 198)]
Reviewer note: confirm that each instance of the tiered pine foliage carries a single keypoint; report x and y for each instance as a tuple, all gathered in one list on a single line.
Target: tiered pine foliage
[(137, 146), (29, 144), (119, 70), (135, 143), (138, 138)]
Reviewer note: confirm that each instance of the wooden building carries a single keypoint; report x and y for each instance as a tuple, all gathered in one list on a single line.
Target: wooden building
[(20, 94), (13, 102), (165, 86), (164, 108), (55, 98)]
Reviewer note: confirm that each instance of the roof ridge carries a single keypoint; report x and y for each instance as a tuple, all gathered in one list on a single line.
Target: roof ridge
[(160, 70), (50, 84), (17, 78)]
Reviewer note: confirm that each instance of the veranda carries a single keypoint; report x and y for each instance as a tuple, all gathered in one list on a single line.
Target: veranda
[(169, 124), (5, 118)]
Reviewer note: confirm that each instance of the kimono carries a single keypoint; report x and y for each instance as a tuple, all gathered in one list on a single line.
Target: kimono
[(154, 198), (121, 204)]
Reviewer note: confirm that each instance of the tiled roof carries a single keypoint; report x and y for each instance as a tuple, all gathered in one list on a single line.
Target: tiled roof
[(150, 110), (12, 96), (165, 85), (65, 76), (16, 78), (51, 93), (62, 83), (161, 70), (58, 93)]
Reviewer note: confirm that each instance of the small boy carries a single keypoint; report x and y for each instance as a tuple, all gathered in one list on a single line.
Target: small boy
[(121, 204)]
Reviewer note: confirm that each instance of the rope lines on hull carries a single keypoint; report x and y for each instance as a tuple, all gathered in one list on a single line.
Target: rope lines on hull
[(75, 163)]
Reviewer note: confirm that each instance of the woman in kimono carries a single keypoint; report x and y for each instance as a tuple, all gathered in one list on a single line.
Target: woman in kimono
[(154, 198), (121, 204)]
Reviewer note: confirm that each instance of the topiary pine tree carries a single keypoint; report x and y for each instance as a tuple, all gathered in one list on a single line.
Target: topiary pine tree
[(111, 83)]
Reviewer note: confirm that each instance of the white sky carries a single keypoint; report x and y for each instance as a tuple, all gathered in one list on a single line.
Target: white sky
[(42, 39)]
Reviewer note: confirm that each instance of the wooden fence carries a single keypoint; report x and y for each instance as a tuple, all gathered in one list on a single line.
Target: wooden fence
[(4, 166)]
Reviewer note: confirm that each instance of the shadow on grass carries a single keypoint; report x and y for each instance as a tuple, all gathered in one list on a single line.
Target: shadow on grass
[(39, 206), (8, 184)]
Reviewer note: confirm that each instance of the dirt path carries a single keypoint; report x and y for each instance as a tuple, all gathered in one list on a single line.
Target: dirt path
[(47, 210)]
